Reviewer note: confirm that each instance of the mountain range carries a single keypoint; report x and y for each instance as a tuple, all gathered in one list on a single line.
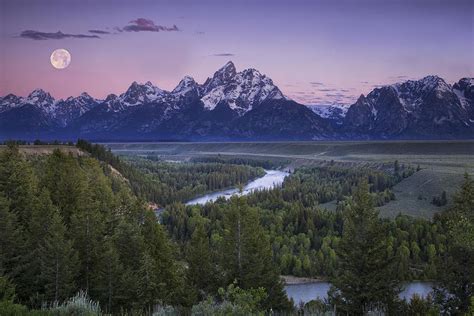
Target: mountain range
[(244, 105)]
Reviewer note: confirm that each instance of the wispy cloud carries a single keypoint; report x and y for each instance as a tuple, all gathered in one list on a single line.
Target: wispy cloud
[(223, 55), (146, 25), (137, 25), (38, 36), (314, 83), (98, 32)]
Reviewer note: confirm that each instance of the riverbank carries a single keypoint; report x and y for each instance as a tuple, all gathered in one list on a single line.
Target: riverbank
[(294, 280), (270, 179)]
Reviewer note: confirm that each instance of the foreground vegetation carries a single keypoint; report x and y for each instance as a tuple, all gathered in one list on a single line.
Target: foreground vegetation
[(68, 223)]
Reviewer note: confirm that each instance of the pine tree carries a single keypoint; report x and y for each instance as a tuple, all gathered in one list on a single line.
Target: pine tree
[(58, 261), (159, 276), (365, 280), (10, 238), (17, 183), (201, 272), (109, 277), (247, 256), (66, 183), (456, 269), (27, 275)]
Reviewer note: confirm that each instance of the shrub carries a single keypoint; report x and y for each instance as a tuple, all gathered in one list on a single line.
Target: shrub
[(78, 305)]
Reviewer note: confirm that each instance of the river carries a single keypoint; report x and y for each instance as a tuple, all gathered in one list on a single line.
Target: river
[(306, 292), (303, 292), (271, 179)]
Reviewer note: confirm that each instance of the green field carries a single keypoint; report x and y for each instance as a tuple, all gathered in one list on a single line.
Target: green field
[(443, 163)]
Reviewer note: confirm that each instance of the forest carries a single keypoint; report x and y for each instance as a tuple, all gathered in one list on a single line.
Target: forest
[(75, 235)]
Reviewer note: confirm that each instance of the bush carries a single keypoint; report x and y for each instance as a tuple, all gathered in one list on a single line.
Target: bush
[(165, 311), (79, 305)]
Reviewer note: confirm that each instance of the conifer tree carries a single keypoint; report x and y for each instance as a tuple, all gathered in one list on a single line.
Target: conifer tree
[(58, 261), (10, 238), (247, 255), (109, 277), (159, 275), (201, 272), (366, 278), (17, 183), (456, 286)]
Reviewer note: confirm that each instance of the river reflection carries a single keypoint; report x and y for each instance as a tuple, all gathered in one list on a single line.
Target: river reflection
[(319, 290), (271, 179)]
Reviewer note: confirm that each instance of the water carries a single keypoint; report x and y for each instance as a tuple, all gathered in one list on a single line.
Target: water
[(319, 290), (271, 179)]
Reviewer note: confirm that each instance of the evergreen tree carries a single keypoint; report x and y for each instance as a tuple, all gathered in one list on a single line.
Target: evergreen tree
[(158, 271), (201, 272), (109, 277), (366, 274), (58, 261), (130, 246), (456, 286), (247, 255), (27, 275), (66, 183), (10, 237), (17, 183)]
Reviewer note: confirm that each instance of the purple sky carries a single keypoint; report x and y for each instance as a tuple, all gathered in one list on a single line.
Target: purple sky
[(317, 52)]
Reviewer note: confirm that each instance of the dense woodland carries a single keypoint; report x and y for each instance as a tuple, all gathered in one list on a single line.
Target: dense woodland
[(68, 225), (163, 182)]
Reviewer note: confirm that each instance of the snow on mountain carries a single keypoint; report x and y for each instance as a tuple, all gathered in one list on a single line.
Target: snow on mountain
[(42, 100), (240, 91), (248, 104), (334, 111), (9, 102), (464, 90), (412, 92), (186, 85), (73, 107), (428, 106), (142, 93)]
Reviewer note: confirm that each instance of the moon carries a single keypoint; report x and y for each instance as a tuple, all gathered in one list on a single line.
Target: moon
[(60, 58)]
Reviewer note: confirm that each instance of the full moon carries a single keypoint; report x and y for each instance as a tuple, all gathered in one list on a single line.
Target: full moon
[(60, 58)]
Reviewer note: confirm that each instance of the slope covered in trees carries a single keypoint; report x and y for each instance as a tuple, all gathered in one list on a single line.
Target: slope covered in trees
[(164, 183), (68, 225)]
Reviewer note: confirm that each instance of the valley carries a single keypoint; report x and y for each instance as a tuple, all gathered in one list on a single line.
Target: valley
[(442, 163)]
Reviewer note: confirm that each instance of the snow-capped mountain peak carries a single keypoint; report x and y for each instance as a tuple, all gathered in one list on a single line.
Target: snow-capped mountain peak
[(185, 85), (335, 112), (464, 89), (10, 101), (40, 97), (240, 91), (141, 93), (226, 72)]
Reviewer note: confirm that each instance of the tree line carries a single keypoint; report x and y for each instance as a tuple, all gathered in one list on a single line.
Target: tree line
[(164, 183), (67, 225)]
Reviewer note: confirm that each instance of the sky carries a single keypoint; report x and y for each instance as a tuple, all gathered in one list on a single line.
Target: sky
[(316, 52)]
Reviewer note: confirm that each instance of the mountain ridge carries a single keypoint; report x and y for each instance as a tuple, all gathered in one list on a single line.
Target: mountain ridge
[(244, 105)]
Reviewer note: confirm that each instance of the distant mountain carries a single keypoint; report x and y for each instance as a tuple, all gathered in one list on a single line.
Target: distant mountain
[(335, 113), (427, 108), (244, 105)]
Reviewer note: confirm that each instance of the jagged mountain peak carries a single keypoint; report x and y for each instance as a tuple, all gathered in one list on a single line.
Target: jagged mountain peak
[(39, 97), (141, 93), (111, 97), (83, 97), (226, 72), (241, 91), (185, 85)]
